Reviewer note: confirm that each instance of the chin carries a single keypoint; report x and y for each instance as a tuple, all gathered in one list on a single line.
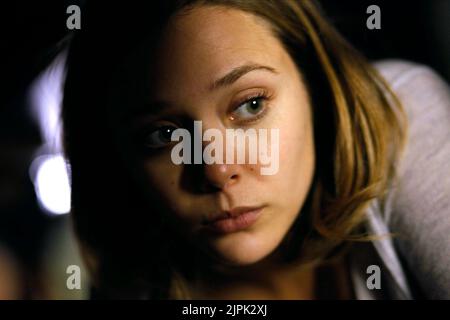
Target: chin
[(242, 249)]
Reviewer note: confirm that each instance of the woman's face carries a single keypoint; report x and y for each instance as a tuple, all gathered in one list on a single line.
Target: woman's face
[(265, 91)]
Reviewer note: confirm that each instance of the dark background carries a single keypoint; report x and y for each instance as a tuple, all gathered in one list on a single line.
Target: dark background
[(412, 30)]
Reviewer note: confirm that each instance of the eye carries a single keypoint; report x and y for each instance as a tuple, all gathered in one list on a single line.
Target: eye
[(251, 109), (158, 137)]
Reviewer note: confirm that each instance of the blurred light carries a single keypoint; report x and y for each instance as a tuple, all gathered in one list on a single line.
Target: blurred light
[(49, 171), (51, 183), (45, 99)]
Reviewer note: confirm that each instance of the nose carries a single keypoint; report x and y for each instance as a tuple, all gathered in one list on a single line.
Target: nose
[(221, 176)]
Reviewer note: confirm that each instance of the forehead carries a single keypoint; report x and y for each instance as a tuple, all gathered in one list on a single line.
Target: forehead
[(204, 43)]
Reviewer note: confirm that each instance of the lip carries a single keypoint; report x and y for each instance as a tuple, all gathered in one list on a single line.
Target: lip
[(234, 220)]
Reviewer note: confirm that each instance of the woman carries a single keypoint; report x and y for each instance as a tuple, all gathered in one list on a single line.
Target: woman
[(153, 227)]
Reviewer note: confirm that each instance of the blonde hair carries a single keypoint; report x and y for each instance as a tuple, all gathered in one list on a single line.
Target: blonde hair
[(356, 159)]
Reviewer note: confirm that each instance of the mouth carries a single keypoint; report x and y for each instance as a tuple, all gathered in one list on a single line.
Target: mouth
[(236, 219)]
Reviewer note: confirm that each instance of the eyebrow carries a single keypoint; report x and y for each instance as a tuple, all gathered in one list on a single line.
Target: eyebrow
[(157, 107), (237, 73)]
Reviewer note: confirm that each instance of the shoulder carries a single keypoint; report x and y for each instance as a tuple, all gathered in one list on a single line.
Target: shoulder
[(417, 86), (418, 206), (425, 97)]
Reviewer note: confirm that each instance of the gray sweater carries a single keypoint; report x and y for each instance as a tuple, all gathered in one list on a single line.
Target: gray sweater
[(416, 262)]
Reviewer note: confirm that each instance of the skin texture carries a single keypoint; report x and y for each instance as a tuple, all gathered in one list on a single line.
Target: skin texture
[(199, 47)]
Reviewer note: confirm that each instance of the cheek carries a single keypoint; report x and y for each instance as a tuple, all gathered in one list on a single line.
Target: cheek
[(165, 183), (296, 147), (163, 177), (297, 151)]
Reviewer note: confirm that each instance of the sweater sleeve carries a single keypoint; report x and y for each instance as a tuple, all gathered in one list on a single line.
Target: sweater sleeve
[(418, 206)]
